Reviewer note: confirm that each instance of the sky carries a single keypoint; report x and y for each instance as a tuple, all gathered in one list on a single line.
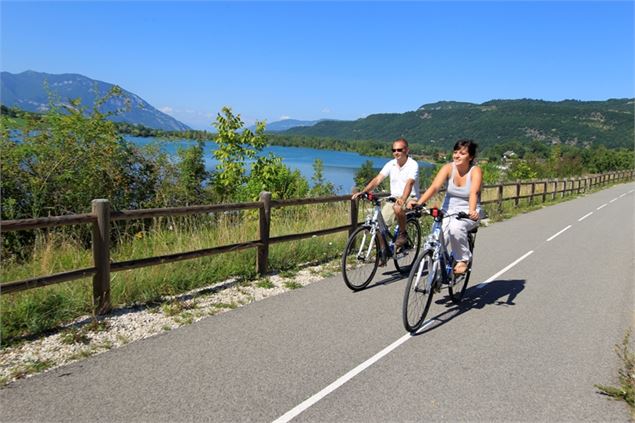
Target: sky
[(327, 60)]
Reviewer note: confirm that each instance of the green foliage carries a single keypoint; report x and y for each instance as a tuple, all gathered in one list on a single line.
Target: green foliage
[(522, 170), (365, 174), (234, 148), (320, 186), (67, 159), (626, 374), (192, 175), (268, 173)]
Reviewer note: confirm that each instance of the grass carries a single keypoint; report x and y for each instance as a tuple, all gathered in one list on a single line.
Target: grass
[(265, 283), (626, 375)]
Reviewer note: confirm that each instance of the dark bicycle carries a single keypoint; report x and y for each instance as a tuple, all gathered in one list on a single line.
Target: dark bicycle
[(432, 271), (372, 244)]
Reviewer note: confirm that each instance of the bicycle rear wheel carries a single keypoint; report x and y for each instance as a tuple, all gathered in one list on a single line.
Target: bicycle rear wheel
[(408, 254), (457, 290), (419, 291), (360, 259)]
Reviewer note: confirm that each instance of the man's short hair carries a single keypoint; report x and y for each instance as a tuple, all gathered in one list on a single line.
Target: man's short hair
[(403, 140)]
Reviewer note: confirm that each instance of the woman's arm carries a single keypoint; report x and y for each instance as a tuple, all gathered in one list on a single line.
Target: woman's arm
[(475, 189)]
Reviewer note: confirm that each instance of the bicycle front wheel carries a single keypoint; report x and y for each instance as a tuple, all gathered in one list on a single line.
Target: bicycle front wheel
[(360, 259), (419, 291), (409, 252)]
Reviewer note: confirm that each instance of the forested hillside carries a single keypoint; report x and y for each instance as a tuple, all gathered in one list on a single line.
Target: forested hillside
[(571, 122)]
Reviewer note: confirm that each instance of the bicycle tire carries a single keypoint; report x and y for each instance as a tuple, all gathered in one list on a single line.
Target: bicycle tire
[(416, 301), (358, 271), (413, 231), (457, 290)]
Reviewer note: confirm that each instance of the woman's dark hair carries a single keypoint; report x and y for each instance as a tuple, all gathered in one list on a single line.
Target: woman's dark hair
[(470, 145)]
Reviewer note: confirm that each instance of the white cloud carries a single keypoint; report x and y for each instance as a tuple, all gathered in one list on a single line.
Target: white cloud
[(284, 117), (166, 109), (326, 110)]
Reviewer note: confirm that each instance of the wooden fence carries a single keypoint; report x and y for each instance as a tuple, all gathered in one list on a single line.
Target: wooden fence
[(102, 216)]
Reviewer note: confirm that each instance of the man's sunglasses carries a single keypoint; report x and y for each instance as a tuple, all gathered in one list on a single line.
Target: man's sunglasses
[(394, 150)]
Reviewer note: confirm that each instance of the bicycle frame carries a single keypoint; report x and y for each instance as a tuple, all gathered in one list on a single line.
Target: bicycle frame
[(377, 224), (441, 259)]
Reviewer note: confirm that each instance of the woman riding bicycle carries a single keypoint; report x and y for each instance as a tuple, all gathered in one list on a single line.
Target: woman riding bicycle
[(464, 180)]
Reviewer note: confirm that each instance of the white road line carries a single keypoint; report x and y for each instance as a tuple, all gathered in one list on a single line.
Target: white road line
[(615, 199), (495, 276), (602, 206), (286, 417), (622, 195), (553, 236), (304, 405), (584, 217)]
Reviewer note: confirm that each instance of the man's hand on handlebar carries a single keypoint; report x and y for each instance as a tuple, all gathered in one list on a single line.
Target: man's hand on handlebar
[(411, 204), (357, 194)]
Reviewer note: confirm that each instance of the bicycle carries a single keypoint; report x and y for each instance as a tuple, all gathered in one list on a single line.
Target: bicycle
[(433, 270), (372, 242)]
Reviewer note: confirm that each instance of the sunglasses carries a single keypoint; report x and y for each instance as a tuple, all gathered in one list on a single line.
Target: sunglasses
[(394, 150)]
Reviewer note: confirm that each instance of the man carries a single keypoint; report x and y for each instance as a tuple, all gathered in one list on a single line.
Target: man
[(404, 182)]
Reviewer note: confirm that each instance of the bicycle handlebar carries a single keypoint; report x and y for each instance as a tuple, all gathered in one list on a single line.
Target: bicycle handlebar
[(423, 209)]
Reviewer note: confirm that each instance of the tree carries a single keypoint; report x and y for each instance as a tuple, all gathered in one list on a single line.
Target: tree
[(365, 174), (191, 173), (233, 150), (320, 186)]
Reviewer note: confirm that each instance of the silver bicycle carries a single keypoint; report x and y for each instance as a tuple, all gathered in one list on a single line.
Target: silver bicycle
[(432, 271), (372, 244)]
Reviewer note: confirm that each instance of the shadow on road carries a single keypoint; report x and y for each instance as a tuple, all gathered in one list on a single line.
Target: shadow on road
[(388, 276), (500, 293)]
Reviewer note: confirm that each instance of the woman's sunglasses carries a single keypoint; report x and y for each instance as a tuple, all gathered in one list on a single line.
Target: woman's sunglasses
[(394, 150)]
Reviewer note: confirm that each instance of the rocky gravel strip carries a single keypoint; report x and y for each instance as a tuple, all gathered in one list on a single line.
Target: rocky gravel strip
[(87, 336)]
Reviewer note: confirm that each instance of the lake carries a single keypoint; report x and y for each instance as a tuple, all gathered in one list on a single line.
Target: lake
[(339, 166)]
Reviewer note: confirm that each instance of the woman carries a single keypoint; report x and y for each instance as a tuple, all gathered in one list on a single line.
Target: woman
[(464, 181)]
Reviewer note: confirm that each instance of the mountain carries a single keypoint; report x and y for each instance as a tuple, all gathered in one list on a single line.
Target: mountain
[(28, 91), (573, 122), (284, 124)]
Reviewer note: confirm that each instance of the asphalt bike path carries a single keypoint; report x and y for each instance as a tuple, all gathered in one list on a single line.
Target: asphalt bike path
[(526, 346)]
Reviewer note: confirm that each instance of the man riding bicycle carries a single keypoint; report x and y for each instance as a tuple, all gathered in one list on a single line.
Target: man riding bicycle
[(404, 182)]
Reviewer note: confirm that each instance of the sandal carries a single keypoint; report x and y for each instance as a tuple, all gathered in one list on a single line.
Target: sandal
[(460, 268)]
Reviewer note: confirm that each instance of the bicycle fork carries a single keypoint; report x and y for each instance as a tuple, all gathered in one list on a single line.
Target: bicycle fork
[(426, 285)]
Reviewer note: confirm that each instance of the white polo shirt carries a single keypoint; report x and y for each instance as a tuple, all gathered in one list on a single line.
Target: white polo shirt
[(400, 175)]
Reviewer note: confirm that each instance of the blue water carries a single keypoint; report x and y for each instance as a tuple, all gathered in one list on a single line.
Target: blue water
[(339, 166)]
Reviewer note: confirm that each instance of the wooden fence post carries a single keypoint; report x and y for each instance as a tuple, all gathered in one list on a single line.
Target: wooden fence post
[(555, 189), (544, 192), (517, 199), (354, 212), (533, 191), (265, 224), (500, 198), (101, 256)]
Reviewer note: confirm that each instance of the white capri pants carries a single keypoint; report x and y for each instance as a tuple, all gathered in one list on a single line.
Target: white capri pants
[(455, 236)]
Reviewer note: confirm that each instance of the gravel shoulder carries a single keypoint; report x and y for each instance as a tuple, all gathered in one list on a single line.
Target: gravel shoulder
[(87, 336)]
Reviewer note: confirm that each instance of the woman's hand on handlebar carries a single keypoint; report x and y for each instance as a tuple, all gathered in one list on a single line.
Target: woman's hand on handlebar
[(473, 214), (357, 194), (411, 204)]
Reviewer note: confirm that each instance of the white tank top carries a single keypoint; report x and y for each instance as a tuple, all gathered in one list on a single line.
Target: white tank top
[(457, 198)]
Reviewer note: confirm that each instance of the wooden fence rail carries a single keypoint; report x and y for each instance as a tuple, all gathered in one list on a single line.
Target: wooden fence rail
[(102, 217)]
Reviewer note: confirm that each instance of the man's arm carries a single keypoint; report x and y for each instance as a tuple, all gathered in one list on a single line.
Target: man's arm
[(406, 192), (371, 185)]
